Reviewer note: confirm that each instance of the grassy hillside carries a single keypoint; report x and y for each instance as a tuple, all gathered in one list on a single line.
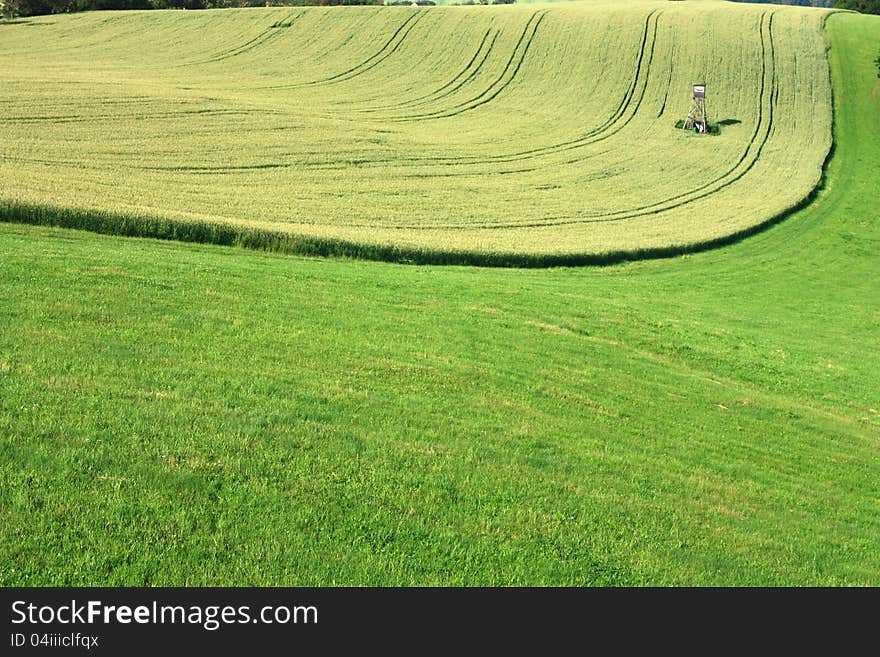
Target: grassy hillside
[(189, 414), (540, 132)]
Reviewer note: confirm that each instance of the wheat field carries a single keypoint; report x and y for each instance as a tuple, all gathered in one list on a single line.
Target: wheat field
[(539, 130)]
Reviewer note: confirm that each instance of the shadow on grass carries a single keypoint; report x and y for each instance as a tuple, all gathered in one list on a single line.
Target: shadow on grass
[(22, 21)]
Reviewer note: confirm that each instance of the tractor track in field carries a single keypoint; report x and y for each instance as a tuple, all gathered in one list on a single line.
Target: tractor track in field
[(77, 118), (640, 79), (626, 110), (372, 62), (388, 49), (584, 139), (269, 34), (495, 88), (616, 125), (441, 92), (769, 95), (668, 81), (617, 121)]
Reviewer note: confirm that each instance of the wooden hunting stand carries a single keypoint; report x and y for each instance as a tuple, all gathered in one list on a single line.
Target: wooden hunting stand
[(697, 119)]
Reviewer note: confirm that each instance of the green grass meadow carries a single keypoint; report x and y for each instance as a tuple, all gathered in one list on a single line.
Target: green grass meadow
[(187, 414)]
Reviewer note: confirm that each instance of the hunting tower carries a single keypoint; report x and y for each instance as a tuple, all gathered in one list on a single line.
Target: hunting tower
[(697, 119)]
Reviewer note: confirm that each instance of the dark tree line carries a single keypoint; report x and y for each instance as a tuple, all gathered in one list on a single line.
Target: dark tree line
[(799, 3), (864, 6), (38, 7), (12, 8)]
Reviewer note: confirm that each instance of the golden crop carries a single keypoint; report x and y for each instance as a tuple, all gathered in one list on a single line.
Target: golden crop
[(533, 129)]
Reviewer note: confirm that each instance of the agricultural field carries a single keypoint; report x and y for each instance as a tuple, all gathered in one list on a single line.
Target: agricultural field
[(539, 134), (193, 414)]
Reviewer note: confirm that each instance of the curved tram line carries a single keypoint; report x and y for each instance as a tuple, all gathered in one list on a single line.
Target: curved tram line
[(444, 91), (768, 96), (609, 127), (623, 114), (269, 34)]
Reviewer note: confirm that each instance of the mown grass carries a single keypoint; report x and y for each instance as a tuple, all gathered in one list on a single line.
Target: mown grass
[(187, 414), (492, 135)]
